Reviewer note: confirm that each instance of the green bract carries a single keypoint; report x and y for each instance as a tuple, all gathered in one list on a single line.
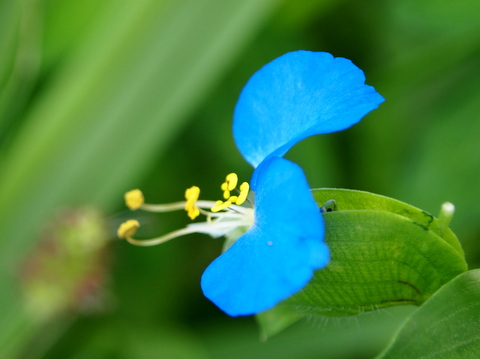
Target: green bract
[(383, 253)]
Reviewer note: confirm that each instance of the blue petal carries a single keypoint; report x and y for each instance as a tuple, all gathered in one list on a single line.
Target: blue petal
[(276, 257), (297, 95)]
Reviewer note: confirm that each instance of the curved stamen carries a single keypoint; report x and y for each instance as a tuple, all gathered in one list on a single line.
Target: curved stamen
[(222, 217), (161, 239), (222, 224)]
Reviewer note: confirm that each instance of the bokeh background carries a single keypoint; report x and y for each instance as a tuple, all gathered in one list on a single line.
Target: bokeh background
[(101, 96)]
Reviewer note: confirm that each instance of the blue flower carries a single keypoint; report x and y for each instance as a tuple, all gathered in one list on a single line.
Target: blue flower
[(295, 96), (298, 95)]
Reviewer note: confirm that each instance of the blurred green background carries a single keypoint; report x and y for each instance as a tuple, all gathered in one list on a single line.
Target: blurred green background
[(101, 96)]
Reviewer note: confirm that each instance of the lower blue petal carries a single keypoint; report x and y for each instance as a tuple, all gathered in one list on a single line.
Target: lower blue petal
[(295, 96), (277, 256)]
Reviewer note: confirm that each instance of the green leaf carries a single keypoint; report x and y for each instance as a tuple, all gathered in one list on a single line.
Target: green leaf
[(446, 326), (359, 200), (383, 253)]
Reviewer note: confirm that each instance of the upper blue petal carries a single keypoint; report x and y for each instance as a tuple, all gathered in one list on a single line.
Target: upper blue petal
[(276, 257), (297, 95)]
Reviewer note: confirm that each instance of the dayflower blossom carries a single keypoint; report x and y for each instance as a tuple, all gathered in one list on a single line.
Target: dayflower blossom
[(276, 244)]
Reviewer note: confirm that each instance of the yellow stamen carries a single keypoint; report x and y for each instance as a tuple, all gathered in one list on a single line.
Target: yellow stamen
[(192, 211), (216, 224), (226, 194), (134, 199), (221, 206), (231, 180), (229, 185), (128, 228), (191, 195), (242, 197)]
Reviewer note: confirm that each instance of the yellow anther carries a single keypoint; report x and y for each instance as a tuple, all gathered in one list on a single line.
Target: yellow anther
[(191, 195), (229, 185), (221, 206), (231, 181), (242, 197), (128, 228), (134, 199), (192, 211), (226, 194)]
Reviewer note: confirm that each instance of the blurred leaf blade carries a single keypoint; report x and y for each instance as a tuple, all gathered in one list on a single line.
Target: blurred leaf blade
[(111, 106), (20, 54), (132, 94), (446, 326), (9, 18)]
